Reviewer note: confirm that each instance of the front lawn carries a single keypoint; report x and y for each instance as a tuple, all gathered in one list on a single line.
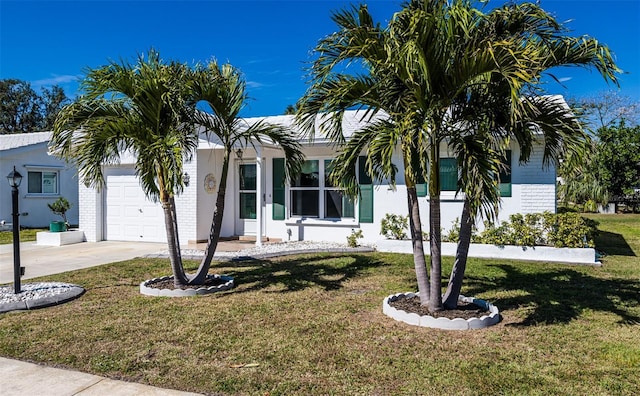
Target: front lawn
[(26, 235), (314, 325)]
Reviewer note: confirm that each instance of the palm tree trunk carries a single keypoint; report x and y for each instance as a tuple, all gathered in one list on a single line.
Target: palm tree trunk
[(419, 262), (179, 278), (216, 225), (460, 263), (174, 220), (435, 297)]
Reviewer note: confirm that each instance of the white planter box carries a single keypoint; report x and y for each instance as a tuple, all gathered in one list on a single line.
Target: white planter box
[(536, 253), (47, 238)]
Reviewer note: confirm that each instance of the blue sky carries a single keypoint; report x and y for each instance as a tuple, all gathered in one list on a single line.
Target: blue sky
[(53, 42)]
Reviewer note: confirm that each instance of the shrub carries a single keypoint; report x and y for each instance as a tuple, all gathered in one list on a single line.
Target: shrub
[(393, 226), (536, 229), (60, 207), (453, 235), (352, 239)]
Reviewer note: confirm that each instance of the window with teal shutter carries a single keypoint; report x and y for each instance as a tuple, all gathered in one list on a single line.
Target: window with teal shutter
[(505, 176), (421, 187), (366, 192), (448, 174), (278, 192)]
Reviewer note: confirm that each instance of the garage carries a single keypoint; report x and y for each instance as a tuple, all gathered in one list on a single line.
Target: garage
[(129, 215)]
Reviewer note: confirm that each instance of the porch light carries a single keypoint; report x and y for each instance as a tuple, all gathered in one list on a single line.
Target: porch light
[(239, 153), (15, 178)]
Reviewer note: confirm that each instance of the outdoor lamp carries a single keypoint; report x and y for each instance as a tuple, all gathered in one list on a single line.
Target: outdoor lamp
[(239, 153), (15, 178)]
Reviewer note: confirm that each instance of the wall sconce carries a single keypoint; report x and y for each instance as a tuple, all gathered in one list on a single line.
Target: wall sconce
[(186, 179), (239, 153)]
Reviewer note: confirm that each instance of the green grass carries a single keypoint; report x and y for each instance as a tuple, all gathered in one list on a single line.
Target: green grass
[(314, 325), (26, 235)]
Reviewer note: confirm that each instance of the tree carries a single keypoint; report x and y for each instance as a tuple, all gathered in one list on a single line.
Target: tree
[(151, 110), (222, 90), (22, 110), (142, 108), (607, 109), (618, 158), (53, 100), (563, 131), (433, 58), (290, 110), (19, 107)]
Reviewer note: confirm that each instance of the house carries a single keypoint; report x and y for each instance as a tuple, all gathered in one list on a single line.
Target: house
[(259, 203), (45, 178)]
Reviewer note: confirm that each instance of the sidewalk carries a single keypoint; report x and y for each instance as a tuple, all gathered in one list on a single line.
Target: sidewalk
[(25, 379)]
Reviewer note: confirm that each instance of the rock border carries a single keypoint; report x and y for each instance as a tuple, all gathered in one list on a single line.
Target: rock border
[(150, 291), (443, 323), (74, 292)]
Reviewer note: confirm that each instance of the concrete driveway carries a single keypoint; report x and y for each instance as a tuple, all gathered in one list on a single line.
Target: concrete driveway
[(46, 260)]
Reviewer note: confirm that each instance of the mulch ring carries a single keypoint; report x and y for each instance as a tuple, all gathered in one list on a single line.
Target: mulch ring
[(412, 305), (168, 284)]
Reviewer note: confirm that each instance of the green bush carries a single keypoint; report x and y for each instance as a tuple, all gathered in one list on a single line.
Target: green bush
[(542, 229), (352, 239), (393, 226), (453, 235), (60, 207)]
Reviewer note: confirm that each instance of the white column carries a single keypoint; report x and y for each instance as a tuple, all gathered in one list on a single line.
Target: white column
[(259, 195)]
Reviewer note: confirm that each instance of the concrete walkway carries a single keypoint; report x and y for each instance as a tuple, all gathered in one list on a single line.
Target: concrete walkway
[(41, 260), (26, 379)]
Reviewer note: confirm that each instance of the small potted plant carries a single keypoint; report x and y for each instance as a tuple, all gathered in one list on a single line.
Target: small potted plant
[(59, 207)]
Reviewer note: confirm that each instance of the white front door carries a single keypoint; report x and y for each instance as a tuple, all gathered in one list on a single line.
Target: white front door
[(246, 199)]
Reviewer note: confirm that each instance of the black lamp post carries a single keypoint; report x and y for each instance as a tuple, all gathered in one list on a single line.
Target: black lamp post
[(14, 181)]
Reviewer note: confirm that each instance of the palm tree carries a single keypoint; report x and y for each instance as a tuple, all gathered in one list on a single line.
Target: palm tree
[(420, 70), (150, 110), (222, 90), (142, 109), (417, 68), (499, 117)]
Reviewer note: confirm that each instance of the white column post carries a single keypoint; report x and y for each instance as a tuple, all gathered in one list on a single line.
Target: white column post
[(259, 195)]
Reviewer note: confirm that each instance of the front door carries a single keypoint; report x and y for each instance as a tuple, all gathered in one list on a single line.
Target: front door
[(246, 199)]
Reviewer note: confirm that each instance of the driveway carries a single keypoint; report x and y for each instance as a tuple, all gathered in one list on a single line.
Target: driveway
[(46, 260)]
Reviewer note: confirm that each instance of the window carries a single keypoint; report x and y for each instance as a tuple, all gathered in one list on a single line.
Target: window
[(45, 182), (313, 195), (505, 176), (448, 177), (448, 174), (336, 204), (248, 191)]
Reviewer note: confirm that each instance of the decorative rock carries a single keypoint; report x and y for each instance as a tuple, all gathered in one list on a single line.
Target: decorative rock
[(38, 295), (442, 323)]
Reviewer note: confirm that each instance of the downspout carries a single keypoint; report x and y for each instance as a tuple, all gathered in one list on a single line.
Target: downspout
[(259, 195)]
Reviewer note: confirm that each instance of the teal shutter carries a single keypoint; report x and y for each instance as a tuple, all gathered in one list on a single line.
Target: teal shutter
[(278, 192), (421, 187), (448, 174), (505, 176), (366, 192)]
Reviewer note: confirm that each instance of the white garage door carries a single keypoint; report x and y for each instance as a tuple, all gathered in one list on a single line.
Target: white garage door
[(129, 215)]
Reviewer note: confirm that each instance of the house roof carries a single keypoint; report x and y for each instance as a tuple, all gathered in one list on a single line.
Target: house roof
[(17, 140), (352, 121)]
